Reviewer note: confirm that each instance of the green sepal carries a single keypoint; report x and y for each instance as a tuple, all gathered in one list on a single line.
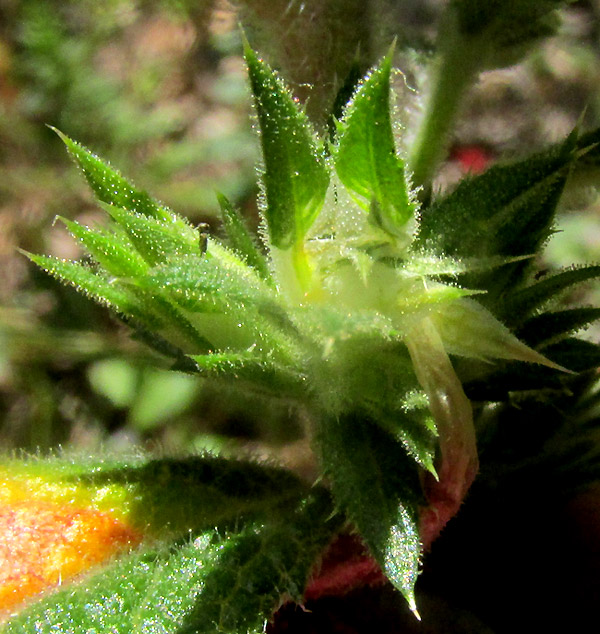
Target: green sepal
[(365, 155), (194, 279), (114, 252), (240, 239), (156, 240), (553, 326), (498, 382), (524, 302), (264, 376), (109, 186), (296, 175), (99, 287), (376, 485)]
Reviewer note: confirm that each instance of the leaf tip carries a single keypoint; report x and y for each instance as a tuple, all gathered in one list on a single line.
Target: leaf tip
[(412, 604), (63, 137)]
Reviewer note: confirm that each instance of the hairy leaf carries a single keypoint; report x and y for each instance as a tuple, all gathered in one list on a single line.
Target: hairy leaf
[(276, 379), (524, 302), (295, 173), (365, 157), (194, 278), (112, 251), (550, 327), (507, 211), (156, 240), (374, 483), (110, 187), (496, 383), (216, 581), (240, 238), (96, 286)]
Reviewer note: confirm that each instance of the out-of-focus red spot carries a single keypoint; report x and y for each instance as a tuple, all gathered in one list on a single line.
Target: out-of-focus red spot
[(472, 158), (44, 543)]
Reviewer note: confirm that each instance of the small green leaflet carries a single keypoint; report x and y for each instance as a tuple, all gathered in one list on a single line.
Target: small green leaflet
[(296, 175), (365, 156)]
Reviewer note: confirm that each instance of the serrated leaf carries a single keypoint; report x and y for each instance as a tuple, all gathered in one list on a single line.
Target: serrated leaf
[(376, 486), (108, 184), (296, 175), (507, 211), (110, 250), (240, 238), (552, 326), (365, 157), (156, 240), (265, 563)]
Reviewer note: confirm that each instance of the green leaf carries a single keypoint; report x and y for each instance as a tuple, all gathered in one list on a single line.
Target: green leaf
[(507, 211), (264, 375), (524, 302), (365, 157), (176, 324), (211, 582), (217, 490), (108, 184), (157, 240), (193, 279), (96, 286), (240, 238), (415, 429), (112, 251), (296, 175), (376, 485), (550, 327), (499, 381)]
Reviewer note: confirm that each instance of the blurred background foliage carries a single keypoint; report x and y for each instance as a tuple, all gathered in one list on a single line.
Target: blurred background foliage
[(159, 89)]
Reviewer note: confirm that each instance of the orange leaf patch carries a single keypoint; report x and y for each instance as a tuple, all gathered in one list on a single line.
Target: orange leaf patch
[(44, 543)]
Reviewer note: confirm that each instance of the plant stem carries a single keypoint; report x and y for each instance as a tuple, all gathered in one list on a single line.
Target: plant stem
[(458, 61)]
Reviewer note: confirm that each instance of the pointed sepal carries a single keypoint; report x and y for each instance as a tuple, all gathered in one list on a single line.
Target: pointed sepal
[(365, 155), (296, 175)]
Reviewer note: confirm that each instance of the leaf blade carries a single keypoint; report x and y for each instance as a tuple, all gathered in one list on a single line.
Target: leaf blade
[(365, 156), (295, 175)]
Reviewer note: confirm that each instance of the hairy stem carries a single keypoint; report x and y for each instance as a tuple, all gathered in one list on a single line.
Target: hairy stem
[(457, 63)]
